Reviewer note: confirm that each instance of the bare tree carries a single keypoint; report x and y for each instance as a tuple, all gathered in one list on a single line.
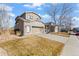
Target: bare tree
[(64, 15), (67, 22), (4, 17), (53, 12)]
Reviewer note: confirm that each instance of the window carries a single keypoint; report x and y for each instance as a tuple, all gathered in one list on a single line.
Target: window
[(27, 17), (37, 18), (30, 17), (17, 23)]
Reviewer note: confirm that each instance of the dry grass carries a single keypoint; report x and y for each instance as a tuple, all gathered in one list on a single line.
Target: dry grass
[(8, 31), (32, 45), (64, 34), (7, 37)]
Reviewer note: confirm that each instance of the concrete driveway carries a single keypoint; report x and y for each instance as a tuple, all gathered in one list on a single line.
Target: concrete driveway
[(54, 37), (71, 48)]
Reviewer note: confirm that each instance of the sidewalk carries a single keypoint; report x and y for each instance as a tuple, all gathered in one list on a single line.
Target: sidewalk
[(71, 48)]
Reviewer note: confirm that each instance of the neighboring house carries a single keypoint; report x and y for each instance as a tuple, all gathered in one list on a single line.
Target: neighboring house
[(49, 27), (29, 22)]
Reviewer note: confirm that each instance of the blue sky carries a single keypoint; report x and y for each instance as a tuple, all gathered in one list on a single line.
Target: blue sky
[(17, 9)]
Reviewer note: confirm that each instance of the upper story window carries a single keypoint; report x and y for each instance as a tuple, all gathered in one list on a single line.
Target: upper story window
[(17, 23), (37, 18), (29, 17)]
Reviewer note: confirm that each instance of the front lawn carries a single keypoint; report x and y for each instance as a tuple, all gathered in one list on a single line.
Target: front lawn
[(32, 46)]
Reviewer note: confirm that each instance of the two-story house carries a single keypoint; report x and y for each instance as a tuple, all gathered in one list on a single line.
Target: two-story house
[(29, 23)]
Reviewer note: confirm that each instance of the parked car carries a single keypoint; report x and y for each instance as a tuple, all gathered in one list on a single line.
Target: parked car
[(76, 30), (77, 34), (64, 30)]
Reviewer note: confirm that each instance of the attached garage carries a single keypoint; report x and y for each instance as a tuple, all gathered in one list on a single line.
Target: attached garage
[(33, 27)]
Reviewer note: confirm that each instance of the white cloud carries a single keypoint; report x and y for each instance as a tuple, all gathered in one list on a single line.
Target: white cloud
[(39, 14), (27, 5), (39, 8), (45, 15), (5, 7), (11, 14), (76, 18), (33, 5), (76, 21), (46, 18), (37, 4)]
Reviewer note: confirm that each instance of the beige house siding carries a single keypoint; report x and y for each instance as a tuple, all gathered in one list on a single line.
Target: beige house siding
[(29, 23), (31, 16), (34, 27)]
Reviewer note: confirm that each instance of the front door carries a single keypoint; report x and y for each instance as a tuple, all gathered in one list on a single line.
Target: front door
[(27, 29)]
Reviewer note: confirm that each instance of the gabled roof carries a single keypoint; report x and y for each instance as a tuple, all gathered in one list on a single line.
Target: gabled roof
[(31, 12), (37, 23), (20, 18)]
